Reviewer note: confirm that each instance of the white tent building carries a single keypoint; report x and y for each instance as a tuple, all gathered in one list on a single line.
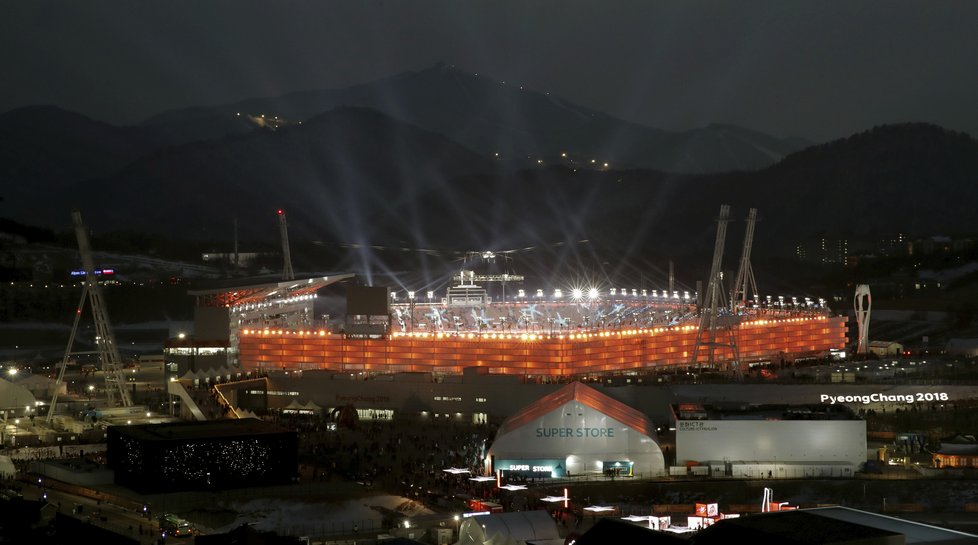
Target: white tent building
[(576, 430), (39, 386), (7, 468), (15, 400), (510, 529)]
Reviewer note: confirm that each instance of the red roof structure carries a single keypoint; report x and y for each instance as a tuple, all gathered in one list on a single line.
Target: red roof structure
[(232, 295), (577, 391)]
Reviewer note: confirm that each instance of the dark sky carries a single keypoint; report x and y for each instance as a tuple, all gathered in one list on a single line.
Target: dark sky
[(815, 69)]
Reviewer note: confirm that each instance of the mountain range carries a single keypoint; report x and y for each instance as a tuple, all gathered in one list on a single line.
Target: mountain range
[(497, 119), (410, 166)]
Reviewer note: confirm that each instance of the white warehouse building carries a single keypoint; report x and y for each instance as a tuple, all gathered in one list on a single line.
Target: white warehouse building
[(768, 441)]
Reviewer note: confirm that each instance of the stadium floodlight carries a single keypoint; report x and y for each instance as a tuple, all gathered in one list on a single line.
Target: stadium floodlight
[(558, 293), (539, 293), (634, 292), (645, 293), (576, 294), (613, 292), (521, 294), (411, 295), (431, 295), (393, 295), (686, 295), (592, 293)]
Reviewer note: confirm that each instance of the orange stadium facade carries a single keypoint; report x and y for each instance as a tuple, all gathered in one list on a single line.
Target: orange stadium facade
[(538, 354)]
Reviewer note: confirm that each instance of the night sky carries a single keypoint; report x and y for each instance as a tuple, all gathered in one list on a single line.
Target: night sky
[(818, 70)]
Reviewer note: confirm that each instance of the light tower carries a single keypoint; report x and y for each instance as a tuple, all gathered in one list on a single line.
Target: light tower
[(710, 319), (863, 305), (283, 228), (105, 346)]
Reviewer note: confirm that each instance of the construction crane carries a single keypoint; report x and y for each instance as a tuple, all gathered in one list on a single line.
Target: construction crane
[(283, 228), (105, 345), (745, 275)]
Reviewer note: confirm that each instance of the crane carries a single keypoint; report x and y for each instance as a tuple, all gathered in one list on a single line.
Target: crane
[(105, 345)]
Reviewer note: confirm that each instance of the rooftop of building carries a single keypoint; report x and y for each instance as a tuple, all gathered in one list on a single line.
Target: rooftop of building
[(748, 411), (245, 291), (209, 429)]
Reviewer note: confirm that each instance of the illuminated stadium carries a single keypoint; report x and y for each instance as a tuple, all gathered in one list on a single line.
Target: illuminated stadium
[(535, 337), (540, 334)]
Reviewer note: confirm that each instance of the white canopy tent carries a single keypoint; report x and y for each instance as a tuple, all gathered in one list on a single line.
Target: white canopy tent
[(509, 529), (7, 468), (15, 400)]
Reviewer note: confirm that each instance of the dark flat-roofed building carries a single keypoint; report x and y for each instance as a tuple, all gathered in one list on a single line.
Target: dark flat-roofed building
[(819, 526), (206, 455)]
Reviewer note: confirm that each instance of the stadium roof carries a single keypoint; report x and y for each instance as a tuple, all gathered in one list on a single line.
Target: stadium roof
[(233, 294), (585, 395)]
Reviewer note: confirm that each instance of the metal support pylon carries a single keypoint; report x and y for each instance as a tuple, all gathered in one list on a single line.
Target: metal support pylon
[(287, 273), (745, 286), (710, 320)]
